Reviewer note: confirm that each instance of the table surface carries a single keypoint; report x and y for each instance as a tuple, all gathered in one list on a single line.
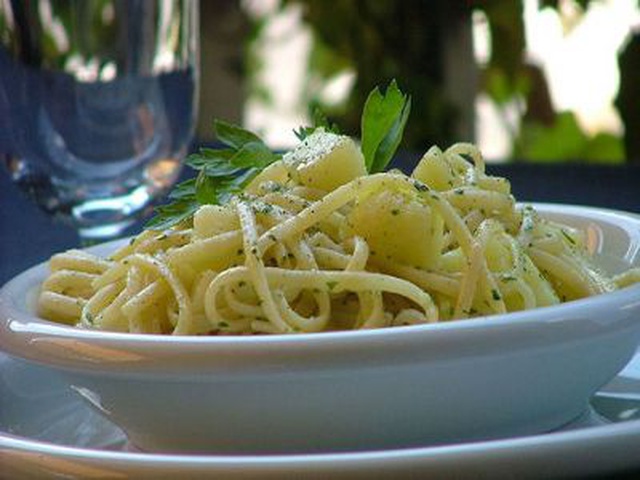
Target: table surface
[(28, 236)]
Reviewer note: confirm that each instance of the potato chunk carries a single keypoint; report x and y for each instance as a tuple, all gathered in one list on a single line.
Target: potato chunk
[(325, 161), (433, 170), (276, 172), (399, 227)]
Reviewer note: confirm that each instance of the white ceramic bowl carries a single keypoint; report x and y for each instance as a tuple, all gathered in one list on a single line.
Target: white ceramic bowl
[(503, 375)]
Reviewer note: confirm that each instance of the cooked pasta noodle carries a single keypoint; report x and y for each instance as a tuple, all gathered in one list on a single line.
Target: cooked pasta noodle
[(447, 242)]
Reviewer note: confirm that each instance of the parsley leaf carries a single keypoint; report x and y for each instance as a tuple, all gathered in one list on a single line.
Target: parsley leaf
[(205, 188), (184, 190), (173, 213), (383, 120), (222, 172), (232, 135)]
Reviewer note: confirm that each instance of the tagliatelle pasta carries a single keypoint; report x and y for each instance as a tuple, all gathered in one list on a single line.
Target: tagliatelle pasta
[(316, 244)]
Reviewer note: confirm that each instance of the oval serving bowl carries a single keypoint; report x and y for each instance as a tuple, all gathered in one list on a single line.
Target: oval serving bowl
[(503, 375)]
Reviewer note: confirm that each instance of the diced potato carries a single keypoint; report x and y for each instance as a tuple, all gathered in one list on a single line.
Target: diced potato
[(325, 161), (276, 172), (211, 220), (442, 173), (399, 227), (433, 170)]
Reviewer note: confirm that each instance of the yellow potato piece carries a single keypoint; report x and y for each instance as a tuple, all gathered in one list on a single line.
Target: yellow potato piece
[(325, 161), (400, 228), (276, 172), (433, 170)]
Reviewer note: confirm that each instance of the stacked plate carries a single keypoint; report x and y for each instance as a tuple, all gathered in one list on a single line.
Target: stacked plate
[(46, 431)]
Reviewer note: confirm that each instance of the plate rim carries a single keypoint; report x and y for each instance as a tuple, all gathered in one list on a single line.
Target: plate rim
[(590, 436)]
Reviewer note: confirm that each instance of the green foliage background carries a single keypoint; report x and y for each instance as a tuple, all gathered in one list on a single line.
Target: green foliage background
[(385, 39)]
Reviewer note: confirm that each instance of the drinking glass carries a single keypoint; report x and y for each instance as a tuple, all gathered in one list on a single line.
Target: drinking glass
[(97, 105)]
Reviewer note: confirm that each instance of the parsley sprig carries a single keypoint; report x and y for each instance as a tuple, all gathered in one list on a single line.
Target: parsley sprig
[(224, 172), (383, 120)]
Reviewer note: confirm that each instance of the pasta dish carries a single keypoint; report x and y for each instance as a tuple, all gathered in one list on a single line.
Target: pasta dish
[(314, 243)]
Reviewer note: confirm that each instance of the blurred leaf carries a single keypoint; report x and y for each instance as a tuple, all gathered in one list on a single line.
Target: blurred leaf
[(501, 89), (564, 140), (604, 148), (496, 86), (325, 61), (561, 141)]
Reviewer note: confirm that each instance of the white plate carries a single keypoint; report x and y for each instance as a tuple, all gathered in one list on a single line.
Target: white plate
[(46, 432)]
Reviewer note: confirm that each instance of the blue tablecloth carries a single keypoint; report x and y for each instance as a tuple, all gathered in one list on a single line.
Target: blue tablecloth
[(28, 236)]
